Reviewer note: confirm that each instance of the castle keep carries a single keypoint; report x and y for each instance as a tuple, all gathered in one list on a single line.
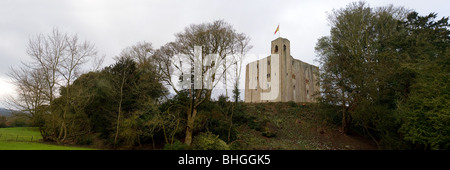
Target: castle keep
[(280, 77)]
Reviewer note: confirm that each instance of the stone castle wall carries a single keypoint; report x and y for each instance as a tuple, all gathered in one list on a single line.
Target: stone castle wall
[(297, 80)]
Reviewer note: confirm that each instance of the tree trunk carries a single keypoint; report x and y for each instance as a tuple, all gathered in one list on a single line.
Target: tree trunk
[(345, 122), (118, 120), (120, 109), (231, 121), (190, 127)]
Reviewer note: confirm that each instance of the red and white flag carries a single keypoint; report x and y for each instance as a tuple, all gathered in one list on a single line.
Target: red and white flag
[(278, 29)]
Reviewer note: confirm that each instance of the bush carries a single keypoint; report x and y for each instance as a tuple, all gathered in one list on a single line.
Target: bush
[(239, 116), (238, 145), (208, 141), (177, 145), (254, 124), (257, 124), (260, 107), (268, 133), (221, 128), (2, 121), (292, 103), (85, 140), (19, 120)]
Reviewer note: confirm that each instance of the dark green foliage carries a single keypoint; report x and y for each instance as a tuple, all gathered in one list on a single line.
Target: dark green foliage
[(177, 145), (425, 112), (268, 133), (253, 123), (260, 108), (222, 128), (329, 112), (236, 93), (239, 116), (214, 118), (260, 124), (17, 119), (257, 123), (95, 99), (100, 108), (86, 140), (2, 121), (390, 77), (292, 104), (208, 141)]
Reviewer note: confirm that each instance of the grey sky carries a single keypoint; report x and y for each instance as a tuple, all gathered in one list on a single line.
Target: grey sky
[(115, 24)]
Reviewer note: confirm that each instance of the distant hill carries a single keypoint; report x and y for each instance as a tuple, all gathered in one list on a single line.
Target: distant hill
[(5, 112)]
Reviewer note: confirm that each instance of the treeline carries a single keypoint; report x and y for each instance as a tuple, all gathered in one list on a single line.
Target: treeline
[(385, 69), (128, 104), (388, 70)]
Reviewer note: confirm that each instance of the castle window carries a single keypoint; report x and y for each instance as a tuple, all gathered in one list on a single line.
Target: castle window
[(284, 48), (276, 49), (268, 62), (292, 62), (268, 75)]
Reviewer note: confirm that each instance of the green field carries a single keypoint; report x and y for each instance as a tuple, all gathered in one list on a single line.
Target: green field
[(27, 138)]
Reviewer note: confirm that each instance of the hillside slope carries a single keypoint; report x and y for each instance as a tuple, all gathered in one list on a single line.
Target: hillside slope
[(293, 126)]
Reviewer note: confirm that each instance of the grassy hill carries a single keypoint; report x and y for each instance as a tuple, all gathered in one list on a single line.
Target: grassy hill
[(293, 126)]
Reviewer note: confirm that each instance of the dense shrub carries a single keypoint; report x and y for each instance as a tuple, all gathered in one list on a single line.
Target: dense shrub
[(256, 123), (208, 141), (177, 145), (268, 133), (222, 128), (2, 121), (85, 140)]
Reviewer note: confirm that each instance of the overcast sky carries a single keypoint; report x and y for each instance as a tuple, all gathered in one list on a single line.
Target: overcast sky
[(115, 24)]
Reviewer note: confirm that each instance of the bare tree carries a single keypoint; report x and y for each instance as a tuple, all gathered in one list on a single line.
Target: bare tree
[(119, 110), (47, 53), (216, 41), (141, 52), (56, 61), (30, 86), (77, 53), (97, 62), (240, 49)]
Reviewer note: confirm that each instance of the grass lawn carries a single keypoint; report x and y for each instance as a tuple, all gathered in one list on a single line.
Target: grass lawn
[(20, 134), (26, 138), (36, 146)]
